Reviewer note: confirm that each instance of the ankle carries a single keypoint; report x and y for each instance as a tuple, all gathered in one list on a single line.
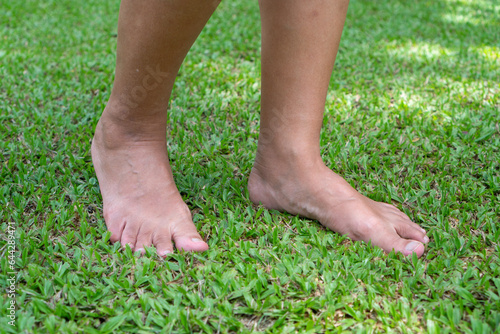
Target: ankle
[(291, 157), (143, 117), (112, 130)]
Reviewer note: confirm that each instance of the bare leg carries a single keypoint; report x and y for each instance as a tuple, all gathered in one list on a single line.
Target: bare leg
[(142, 206), (300, 40)]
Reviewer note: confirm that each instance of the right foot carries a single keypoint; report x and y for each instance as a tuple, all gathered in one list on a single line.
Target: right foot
[(142, 206), (312, 190)]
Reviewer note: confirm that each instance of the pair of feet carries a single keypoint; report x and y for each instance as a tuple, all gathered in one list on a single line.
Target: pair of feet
[(142, 206)]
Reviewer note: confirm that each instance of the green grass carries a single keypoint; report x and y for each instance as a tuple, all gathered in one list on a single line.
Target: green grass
[(412, 118)]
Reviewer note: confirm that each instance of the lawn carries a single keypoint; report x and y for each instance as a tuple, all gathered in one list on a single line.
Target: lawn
[(412, 118)]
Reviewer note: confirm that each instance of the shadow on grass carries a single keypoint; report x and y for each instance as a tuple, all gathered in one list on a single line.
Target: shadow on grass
[(429, 34)]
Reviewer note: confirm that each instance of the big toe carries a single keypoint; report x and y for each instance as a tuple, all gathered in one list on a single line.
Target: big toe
[(409, 230), (187, 238), (389, 240), (406, 247), (195, 244)]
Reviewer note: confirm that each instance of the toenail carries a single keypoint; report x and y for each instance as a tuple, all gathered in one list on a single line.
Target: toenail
[(426, 239), (197, 240), (411, 246), (423, 230), (165, 252)]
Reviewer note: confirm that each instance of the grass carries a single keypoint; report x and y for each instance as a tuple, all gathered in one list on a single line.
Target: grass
[(412, 118)]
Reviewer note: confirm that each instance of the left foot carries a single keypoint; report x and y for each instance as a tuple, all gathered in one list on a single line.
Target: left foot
[(142, 206), (312, 190)]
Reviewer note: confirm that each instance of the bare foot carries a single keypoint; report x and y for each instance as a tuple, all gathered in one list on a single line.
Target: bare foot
[(312, 190), (142, 206)]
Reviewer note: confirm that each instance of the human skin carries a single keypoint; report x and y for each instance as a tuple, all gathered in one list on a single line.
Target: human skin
[(300, 40)]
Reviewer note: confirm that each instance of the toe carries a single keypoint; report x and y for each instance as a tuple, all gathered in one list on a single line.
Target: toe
[(129, 235), (162, 240), (187, 238), (195, 244), (398, 238), (116, 231), (408, 230), (404, 246), (413, 246), (144, 239), (115, 225)]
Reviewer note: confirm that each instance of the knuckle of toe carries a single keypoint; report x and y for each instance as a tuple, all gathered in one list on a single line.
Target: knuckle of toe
[(367, 228), (162, 239)]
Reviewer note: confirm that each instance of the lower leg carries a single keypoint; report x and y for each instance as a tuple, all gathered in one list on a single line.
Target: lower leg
[(142, 206), (300, 40)]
